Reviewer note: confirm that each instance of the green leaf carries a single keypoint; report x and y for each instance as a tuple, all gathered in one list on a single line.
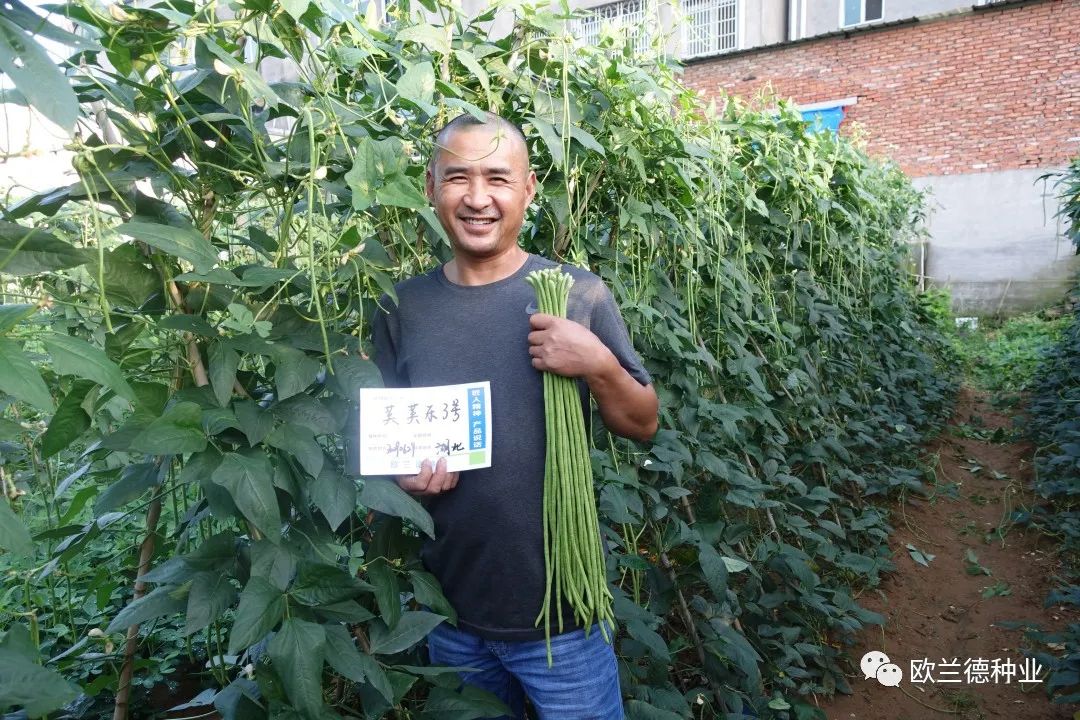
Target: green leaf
[(185, 242), (152, 396), (779, 704), (293, 370), (387, 591), (69, 421), (188, 323), (428, 592), (261, 608), (17, 639), (167, 600), (306, 411), (295, 8), (223, 364), (250, 79), (378, 176), (298, 441), (417, 84), (37, 690), (176, 432), (297, 652), (255, 422), (649, 638), (216, 420), (200, 466), (640, 710), (40, 27), (218, 553), (715, 570), (248, 480), (319, 584), (346, 611), (587, 140), (72, 356), (274, 563), (351, 374), (734, 564), (551, 139), (385, 496), (20, 379), (135, 480), (469, 60), (334, 494), (350, 662), (732, 646), (211, 593), (972, 566), (919, 556), (400, 191), (343, 655), (468, 703), (14, 536), (410, 629), (37, 77), (11, 430), (14, 313), (433, 38), (128, 281)]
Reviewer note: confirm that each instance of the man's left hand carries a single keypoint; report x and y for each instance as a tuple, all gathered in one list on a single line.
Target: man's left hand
[(565, 347)]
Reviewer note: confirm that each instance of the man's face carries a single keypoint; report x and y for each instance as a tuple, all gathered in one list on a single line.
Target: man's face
[(481, 184)]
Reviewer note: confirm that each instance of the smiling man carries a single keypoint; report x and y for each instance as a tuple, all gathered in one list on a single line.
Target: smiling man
[(474, 319)]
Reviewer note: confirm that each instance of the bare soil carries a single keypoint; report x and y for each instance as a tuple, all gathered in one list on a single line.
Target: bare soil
[(939, 612)]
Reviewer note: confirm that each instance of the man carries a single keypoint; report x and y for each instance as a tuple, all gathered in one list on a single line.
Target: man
[(474, 319)]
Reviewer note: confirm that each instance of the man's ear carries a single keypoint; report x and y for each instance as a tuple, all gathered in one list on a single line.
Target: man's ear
[(429, 185), (530, 185)]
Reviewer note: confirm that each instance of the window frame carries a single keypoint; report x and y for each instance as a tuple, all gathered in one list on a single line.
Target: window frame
[(601, 14), (685, 30), (862, 15)]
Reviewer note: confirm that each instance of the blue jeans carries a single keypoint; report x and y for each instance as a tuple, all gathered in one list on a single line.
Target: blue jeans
[(581, 684)]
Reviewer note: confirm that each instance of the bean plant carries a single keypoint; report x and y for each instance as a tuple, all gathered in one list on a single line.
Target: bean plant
[(184, 329), (1053, 425)]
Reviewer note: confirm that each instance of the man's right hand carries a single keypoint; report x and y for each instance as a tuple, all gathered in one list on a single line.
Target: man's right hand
[(429, 481)]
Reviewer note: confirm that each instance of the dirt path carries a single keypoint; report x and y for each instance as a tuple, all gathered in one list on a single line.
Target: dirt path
[(948, 608)]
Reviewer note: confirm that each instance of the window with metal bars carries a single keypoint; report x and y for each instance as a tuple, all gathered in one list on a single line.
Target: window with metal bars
[(709, 27), (628, 15)]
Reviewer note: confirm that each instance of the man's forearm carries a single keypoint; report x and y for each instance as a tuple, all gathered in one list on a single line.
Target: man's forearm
[(628, 408)]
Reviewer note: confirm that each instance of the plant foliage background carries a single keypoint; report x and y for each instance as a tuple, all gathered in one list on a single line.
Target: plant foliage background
[(184, 327), (1054, 425)]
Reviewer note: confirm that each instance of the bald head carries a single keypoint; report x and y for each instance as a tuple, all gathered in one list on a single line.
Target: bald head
[(502, 131)]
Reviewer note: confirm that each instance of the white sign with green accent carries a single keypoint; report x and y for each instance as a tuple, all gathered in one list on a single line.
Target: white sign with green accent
[(402, 427)]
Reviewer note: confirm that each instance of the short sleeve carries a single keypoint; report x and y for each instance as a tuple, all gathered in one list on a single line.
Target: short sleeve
[(607, 323)]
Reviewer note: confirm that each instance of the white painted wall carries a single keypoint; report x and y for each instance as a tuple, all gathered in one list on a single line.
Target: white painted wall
[(994, 241), (761, 22), (824, 16), (34, 158)]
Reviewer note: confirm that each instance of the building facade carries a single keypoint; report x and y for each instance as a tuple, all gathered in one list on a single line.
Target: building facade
[(974, 100)]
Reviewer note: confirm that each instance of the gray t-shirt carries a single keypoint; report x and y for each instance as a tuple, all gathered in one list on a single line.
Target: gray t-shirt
[(488, 546)]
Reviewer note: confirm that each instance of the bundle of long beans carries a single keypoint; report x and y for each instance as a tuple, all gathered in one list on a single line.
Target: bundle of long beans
[(572, 553)]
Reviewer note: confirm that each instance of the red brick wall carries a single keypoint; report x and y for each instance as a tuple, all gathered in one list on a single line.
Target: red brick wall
[(974, 92)]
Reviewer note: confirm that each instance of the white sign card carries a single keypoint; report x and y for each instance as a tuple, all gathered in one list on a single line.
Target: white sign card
[(402, 427)]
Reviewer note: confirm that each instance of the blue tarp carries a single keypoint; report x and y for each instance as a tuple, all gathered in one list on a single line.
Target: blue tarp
[(825, 118)]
